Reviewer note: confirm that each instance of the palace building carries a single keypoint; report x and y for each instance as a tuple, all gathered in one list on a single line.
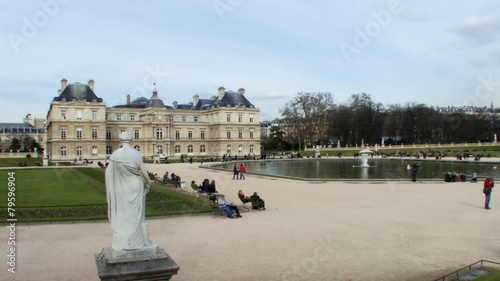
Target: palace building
[(81, 126)]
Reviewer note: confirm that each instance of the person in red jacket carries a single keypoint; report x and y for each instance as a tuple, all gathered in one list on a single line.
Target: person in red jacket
[(242, 171), (488, 187)]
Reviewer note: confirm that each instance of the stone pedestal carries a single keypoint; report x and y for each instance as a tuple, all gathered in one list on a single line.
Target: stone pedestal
[(151, 263)]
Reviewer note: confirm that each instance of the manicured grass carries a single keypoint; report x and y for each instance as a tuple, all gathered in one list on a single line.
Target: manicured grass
[(80, 193), (491, 276), (54, 187), (14, 162)]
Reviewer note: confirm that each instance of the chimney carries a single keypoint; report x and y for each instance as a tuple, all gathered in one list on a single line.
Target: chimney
[(222, 91), (64, 83), (196, 99), (175, 104), (241, 91), (91, 84), (29, 120), (128, 99)]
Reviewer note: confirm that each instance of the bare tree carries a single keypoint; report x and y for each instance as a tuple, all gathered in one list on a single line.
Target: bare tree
[(308, 112)]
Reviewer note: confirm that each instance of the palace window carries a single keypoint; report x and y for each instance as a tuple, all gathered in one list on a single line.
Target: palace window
[(109, 149), (94, 133), (177, 134), (228, 133), (202, 148), (240, 148), (228, 117), (190, 149), (251, 134), (63, 133), (136, 134), (79, 133), (159, 133), (202, 134), (108, 134), (177, 149), (132, 117), (78, 151), (240, 118), (251, 118), (240, 134), (63, 114), (63, 150), (79, 115), (190, 134), (94, 114), (118, 117), (228, 149), (94, 150)]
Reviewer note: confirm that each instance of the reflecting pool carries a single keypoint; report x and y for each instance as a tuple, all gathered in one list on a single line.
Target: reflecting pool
[(379, 168)]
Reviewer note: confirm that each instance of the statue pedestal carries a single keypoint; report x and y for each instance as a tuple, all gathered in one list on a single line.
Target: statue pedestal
[(151, 263)]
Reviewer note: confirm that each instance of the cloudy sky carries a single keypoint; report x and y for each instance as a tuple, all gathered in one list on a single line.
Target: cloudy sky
[(438, 53)]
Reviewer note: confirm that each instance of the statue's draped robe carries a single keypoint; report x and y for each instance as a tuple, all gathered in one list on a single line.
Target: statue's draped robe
[(125, 178)]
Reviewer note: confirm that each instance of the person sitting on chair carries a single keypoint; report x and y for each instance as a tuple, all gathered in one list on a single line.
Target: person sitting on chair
[(211, 187), (223, 202), (194, 186), (204, 185), (214, 204), (243, 197), (261, 203)]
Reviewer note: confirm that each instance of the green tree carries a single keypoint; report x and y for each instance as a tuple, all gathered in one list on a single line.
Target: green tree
[(15, 144)]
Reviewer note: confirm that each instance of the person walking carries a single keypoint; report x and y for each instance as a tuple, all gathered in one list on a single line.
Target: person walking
[(413, 170), (235, 172), (242, 171), (488, 187)]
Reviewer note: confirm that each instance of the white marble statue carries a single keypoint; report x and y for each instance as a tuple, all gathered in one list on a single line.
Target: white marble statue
[(127, 183)]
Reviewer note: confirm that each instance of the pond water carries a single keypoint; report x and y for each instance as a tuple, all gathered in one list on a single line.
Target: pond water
[(379, 168)]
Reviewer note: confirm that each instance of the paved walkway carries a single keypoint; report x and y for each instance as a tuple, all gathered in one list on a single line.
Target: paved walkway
[(311, 231)]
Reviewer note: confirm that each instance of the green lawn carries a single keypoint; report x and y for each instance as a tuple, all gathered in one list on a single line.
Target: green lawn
[(491, 276), (54, 187), (80, 193), (14, 162)]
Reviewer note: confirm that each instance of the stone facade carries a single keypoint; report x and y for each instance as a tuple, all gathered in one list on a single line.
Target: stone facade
[(80, 125), (31, 127)]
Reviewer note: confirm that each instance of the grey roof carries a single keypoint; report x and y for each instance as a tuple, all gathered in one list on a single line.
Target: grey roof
[(155, 101), (203, 104), (19, 128), (230, 99), (77, 91), (234, 99), (137, 103)]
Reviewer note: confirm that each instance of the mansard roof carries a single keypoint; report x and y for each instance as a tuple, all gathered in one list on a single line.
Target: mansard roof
[(78, 91), (229, 99), (232, 99), (19, 128)]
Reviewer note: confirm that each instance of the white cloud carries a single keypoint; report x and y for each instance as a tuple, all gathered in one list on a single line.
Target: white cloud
[(478, 31)]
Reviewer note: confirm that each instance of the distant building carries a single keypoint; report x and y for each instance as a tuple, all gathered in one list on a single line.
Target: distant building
[(34, 128), (468, 109), (80, 125)]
